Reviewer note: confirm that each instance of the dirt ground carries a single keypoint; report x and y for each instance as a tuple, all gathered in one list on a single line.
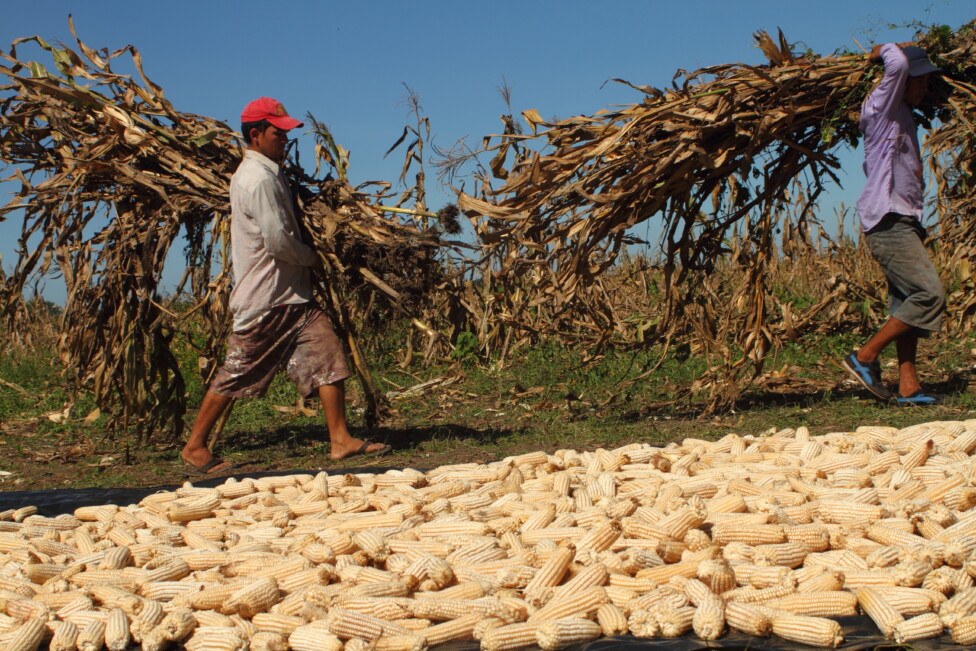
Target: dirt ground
[(33, 457)]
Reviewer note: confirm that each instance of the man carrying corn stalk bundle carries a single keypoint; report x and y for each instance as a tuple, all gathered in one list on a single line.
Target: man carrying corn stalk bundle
[(891, 207), (275, 323)]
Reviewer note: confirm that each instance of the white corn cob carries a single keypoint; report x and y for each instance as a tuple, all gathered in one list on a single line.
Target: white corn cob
[(92, 636), (461, 628), (643, 623), (117, 630), (761, 576), (371, 543), (612, 619), (277, 623), (513, 636), (963, 631), (314, 637), (717, 574), (594, 575), (674, 621), (814, 537), (217, 638), (961, 605), (194, 509), (268, 641), (579, 603), (922, 627), (552, 572), (911, 601), (28, 636), (410, 642), (560, 633), (175, 627), (826, 580), (440, 609), (212, 618), (879, 610), (787, 554), (754, 534), (151, 614), (747, 619), (64, 636), (844, 512), (709, 619), (382, 607), (256, 597), (837, 603), (812, 631), (349, 623)]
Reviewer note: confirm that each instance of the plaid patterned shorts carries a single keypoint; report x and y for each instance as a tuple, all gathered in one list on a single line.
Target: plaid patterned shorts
[(299, 338)]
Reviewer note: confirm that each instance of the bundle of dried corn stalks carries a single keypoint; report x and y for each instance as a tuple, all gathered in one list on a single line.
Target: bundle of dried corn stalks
[(716, 161), (112, 175)]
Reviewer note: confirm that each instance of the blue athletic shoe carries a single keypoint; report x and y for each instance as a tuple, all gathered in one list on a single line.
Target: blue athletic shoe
[(868, 374), (918, 399)]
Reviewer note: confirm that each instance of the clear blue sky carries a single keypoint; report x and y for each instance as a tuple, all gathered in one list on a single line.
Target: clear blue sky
[(347, 62)]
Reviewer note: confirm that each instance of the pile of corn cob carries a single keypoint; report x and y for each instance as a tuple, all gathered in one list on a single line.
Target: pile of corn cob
[(779, 533)]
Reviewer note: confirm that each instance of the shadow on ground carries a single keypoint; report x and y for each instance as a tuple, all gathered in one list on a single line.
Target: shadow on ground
[(306, 436)]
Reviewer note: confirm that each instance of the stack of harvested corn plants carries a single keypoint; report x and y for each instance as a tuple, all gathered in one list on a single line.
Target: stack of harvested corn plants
[(714, 163), (778, 534), (112, 176)]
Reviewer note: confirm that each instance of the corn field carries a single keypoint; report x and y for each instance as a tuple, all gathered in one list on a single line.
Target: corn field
[(730, 161)]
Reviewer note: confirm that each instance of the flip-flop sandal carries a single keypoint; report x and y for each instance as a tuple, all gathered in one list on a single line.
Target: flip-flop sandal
[(363, 450), (918, 399), (204, 470)]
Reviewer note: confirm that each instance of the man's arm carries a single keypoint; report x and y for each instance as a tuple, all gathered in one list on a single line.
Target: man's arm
[(890, 93), (271, 218), (875, 55)]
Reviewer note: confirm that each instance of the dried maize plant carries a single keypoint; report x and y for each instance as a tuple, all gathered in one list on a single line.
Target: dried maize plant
[(111, 176), (951, 145), (714, 161), (440, 292)]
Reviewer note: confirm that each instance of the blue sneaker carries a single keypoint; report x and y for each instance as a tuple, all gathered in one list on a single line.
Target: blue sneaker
[(868, 374), (918, 399)]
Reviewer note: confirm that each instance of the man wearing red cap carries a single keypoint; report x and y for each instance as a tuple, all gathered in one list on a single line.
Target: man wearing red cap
[(276, 325)]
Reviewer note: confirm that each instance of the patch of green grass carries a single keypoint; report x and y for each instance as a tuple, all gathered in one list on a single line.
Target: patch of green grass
[(545, 396)]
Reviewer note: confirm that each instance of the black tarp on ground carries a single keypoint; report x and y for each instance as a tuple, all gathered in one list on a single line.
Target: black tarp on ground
[(860, 633)]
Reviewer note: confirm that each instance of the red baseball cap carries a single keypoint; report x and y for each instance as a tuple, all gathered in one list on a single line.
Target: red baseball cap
[(265, 108)]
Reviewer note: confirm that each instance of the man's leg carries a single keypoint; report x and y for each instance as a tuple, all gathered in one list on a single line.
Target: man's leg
[(333, 398), (195, 451), (907, 378), (892, 330), (863, 364)]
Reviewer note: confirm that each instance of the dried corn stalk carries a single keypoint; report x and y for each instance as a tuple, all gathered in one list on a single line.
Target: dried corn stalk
[(720, 161), (111, 176)]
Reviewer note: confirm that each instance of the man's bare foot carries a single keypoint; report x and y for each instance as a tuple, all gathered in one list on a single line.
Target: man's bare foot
[(201, 460), (911, 389), (352, 447)]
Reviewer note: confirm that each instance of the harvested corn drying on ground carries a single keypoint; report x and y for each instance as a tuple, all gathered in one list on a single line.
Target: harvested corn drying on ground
[(779, 533)]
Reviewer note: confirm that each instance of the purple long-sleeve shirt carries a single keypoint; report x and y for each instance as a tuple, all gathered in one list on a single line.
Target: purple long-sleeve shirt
[(891, 155)]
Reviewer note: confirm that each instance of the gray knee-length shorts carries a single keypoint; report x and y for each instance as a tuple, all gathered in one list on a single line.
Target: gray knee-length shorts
[(915, 293)]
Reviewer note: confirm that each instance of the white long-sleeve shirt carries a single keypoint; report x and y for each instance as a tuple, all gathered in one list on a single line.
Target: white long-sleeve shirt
[(271, 263)]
